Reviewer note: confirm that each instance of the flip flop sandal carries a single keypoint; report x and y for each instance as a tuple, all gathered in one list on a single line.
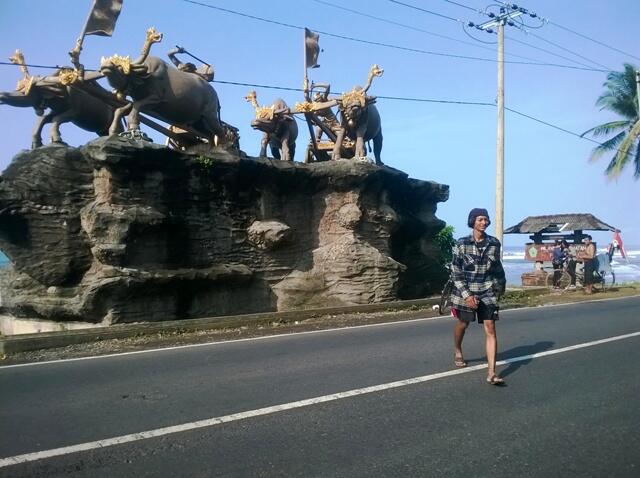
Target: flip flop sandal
[(459, 362), (495, 380)]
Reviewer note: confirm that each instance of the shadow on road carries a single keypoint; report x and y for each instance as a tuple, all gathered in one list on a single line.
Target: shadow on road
[(521, 351)]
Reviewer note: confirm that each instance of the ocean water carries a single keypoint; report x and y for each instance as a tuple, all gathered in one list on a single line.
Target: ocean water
[(626, 270)]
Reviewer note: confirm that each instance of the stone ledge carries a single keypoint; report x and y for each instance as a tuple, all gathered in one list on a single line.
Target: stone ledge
[(47, 340)]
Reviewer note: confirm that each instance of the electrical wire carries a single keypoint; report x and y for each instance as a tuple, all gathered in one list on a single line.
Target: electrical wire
[(425, 10), (510, 38), (562, 48), (463, 6), (388, 45), (404, 25), (551, 125), (513, 39), (431, 100), (255, 85), (410, 27), (391, 98), (581, 35), (591, 39), (6, 63), (523, 27)]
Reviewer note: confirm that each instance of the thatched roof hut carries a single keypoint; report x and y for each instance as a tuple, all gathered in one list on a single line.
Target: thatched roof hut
[(559, 223)]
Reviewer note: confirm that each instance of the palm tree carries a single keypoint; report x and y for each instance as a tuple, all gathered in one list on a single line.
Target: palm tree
[(620, 96)]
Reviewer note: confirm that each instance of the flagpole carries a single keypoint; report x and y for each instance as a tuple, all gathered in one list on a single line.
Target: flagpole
[(75, 53), (307, 96), (305, 82)]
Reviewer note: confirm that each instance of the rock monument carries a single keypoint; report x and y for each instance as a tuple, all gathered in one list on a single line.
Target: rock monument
[(121, 230)]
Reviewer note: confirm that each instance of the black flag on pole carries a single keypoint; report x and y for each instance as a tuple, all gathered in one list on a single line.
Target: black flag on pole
[(312, 48), (103, 16)]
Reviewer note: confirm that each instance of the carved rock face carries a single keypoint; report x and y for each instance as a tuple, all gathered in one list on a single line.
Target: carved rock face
[(269, 235)]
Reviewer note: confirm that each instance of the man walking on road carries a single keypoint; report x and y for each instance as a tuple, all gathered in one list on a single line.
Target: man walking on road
[(479, 280)]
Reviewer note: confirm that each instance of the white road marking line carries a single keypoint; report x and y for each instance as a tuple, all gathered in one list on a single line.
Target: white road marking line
[(265, 337), (158, 432)]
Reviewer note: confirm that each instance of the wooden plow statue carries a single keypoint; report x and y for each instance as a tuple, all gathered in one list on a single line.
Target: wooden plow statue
[(359, 122)]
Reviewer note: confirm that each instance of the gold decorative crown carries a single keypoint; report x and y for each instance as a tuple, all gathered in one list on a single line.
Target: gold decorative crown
[(306, 107), (122, 62), (68, 76), (265, 113), (357, 95)]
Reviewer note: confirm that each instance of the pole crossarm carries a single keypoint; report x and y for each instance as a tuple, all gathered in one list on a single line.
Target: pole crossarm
[(499, 20)]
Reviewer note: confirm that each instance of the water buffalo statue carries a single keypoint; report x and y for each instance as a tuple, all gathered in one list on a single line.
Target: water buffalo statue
[(279, 127), (56, 101), (360, 118), (180, 98)]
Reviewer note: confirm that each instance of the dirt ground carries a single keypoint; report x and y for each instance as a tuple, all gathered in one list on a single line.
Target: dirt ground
[(513, 299)]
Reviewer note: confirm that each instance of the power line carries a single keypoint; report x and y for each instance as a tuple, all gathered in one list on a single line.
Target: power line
[(426, 11), (552, 125), (431, 100), (428, 100), (387, 45), (586, 37), (513, 39), (6, 63), (255, 85), (463, 6), (548, 51), (561, 47), (410, 27), (393, 98), (591, 39), (514, 9), (578, 34), (404, 25)]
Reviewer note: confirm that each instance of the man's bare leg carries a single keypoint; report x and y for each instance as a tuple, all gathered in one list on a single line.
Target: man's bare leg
[(491, 345), (458, 335)]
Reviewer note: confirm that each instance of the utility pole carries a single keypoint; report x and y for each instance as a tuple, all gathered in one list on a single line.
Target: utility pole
[(500, 138), (638, 90), (498, 21)]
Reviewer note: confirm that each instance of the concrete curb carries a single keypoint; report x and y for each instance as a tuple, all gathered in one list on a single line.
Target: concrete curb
[(47, 340)]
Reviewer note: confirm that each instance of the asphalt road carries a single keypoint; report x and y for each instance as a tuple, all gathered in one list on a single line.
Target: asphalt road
[(275, 406)]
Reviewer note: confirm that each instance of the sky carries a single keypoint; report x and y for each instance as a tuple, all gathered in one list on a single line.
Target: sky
[(546, 170)]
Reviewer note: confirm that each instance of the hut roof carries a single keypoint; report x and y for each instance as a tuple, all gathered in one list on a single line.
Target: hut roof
[(559, 223)]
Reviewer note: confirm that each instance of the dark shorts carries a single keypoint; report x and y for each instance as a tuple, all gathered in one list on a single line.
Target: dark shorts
[(482, 313), (589, 269)]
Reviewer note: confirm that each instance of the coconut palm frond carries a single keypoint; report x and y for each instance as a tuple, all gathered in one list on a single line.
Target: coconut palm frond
[(620, 93), (621, 158), (621, 102), (607, 128), (608, 146), (620, 97)]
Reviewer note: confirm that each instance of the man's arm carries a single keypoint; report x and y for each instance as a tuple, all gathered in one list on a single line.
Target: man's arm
[(172, 55), (457, 272), (499, 277)]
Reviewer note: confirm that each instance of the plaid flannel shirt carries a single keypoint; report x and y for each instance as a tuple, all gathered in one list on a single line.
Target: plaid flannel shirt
[(476, 270)]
